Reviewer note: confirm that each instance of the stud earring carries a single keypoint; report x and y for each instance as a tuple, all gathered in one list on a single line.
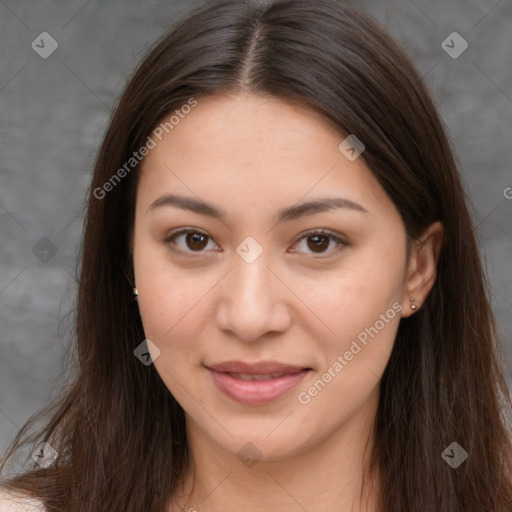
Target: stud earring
[(413, 306), (135, 292)]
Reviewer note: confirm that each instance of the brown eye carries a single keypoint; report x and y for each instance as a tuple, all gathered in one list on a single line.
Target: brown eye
[(194, 241), (319, 241)]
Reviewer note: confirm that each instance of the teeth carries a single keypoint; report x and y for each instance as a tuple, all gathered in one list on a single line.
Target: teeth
[(242, 376), (246, 376)]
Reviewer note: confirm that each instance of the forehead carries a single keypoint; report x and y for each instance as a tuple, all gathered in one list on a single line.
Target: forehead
[(269, 148), (228, 125)]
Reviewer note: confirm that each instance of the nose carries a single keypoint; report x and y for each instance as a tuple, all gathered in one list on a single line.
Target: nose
[(253, 301)]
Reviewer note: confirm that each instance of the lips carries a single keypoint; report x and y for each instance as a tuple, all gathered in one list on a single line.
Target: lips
[(263, 368), (256, 384), (259, 377)]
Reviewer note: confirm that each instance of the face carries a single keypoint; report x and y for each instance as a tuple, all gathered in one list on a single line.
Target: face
[(274, 321)]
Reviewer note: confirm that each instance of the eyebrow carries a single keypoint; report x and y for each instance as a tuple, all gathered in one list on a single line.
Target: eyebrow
[(285, 214)]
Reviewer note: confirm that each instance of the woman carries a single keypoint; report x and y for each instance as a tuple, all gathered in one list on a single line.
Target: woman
[(278, 189)]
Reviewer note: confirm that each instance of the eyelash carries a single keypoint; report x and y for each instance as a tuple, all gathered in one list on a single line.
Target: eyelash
[(322, 232)]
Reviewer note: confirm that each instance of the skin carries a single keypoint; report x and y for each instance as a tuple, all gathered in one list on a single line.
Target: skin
[(202, 304)]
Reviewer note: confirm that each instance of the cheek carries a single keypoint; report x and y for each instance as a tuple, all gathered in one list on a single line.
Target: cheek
[(354, 298), (173, 311), (169, 296), (355, 357)]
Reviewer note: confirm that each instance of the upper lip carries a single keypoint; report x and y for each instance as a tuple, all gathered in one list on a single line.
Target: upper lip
[(261, 368)]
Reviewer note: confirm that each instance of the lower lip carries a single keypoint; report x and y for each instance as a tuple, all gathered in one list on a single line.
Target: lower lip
[(254, 392)]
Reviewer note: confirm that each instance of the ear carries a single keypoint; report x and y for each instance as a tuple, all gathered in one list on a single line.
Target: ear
[(422, 268)]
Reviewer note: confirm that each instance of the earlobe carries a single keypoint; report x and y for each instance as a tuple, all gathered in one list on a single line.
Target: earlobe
[(422, 268)]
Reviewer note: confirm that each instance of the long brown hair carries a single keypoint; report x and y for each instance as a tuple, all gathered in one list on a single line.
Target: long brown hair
[(120, 434)]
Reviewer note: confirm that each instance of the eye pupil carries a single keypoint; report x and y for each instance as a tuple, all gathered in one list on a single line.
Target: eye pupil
[(196, 238), (319, 244)]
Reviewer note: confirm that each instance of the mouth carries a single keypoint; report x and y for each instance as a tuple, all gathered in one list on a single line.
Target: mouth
[(256, 384), (262, 377)]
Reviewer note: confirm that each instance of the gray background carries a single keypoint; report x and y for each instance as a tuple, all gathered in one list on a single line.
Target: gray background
[(54, 112)]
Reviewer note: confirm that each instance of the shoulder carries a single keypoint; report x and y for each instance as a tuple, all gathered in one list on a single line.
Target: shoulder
[(11, 501)]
